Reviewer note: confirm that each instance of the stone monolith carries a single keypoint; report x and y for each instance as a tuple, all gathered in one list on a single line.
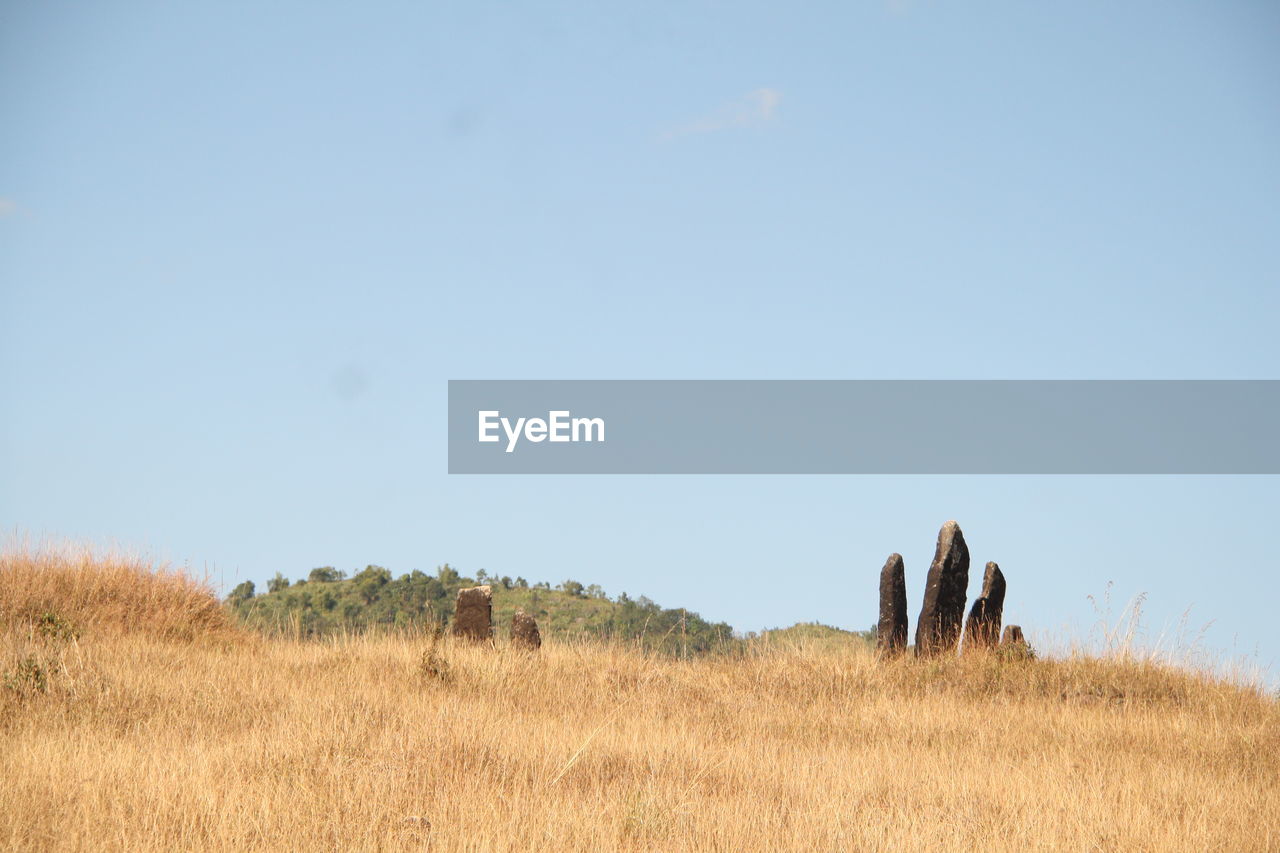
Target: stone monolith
[(942, 617), (524, 631), (473, 613), (891, 630), (1013, 636), (982, 631)]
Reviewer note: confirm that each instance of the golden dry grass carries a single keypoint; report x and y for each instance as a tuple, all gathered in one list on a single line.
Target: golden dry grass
[(143, 742), (107, 594)]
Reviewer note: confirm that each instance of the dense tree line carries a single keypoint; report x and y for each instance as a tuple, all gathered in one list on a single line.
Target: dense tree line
[(327, 601)]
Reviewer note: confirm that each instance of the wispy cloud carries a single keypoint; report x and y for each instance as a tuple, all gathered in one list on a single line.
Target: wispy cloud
[(753, 108), (8, 206)]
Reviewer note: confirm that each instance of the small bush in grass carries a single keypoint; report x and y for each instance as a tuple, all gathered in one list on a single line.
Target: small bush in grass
[(27, 677), (432, 666), (1016, 651), (52, 626)]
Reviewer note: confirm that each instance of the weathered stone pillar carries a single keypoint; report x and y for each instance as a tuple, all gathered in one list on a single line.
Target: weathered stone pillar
[(891, 631), (982, 631), (1013, 636), (524, 631), (942, 617), (473, 613)]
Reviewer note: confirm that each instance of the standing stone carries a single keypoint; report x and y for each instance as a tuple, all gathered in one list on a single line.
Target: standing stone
[(1013, 636), (891, 631), (473, 614), (524, 631), (942, 617), (982, 631)]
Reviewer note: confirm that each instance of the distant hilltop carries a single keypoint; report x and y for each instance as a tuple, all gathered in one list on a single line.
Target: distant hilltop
[(327, 601)]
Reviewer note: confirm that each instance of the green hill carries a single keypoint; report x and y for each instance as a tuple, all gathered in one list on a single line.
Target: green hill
[(816, 634), (328, 602)]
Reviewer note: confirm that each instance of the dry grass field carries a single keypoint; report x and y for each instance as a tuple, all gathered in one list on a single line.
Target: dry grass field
[(133, 716)]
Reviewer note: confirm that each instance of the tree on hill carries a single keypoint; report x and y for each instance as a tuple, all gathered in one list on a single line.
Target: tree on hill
[(572, 587), (243, 592), (325, 574)]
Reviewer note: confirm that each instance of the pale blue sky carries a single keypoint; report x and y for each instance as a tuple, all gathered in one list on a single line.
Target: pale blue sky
[(243, 247)]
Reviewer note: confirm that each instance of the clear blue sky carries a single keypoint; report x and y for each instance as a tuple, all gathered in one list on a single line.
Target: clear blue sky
[(243, 246)]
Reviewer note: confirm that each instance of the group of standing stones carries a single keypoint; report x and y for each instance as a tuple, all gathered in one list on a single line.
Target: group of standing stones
[(473, 619), (937, 631), (942, 617)]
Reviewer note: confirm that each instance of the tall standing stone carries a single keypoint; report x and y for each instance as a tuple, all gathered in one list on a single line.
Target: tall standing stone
[(942, 617), (524, 631), (982, 631), (473, 613), (891, 631)]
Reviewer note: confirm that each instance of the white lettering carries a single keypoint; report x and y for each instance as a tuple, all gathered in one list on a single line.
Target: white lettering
[(486, 425), (587, 424), (513, 435), (558, 426)]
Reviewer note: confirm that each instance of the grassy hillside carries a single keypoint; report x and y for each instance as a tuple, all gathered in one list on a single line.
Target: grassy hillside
[(138, 738), (67, 589), (816, 635)]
